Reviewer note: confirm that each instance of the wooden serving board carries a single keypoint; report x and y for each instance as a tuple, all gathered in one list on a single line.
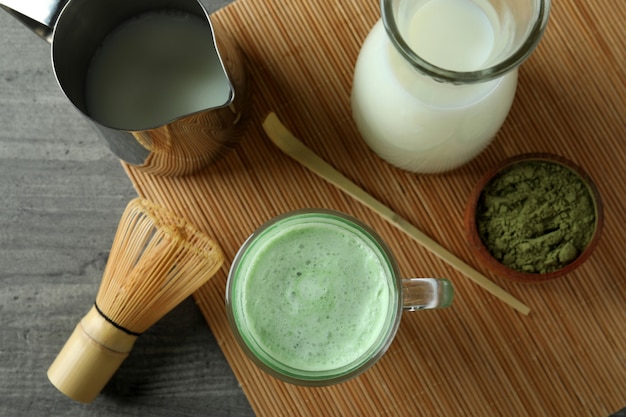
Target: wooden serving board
[(480, 357)]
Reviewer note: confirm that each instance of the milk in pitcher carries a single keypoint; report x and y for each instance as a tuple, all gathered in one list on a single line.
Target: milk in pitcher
[(155, 68)]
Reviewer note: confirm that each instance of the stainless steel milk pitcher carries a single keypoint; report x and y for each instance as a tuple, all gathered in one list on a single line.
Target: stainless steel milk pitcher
[(183, 144)]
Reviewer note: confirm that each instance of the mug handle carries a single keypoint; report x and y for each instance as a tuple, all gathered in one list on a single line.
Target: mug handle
[(426, 293)]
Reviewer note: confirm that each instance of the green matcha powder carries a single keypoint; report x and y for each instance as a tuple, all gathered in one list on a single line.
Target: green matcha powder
[(536, 217)]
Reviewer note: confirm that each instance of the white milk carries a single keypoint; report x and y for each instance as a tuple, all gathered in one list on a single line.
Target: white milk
[(461, 41), (420, 124), (153, 69)]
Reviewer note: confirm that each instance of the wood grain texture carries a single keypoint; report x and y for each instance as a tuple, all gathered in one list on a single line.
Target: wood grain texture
[(480, 357), (61, 196)]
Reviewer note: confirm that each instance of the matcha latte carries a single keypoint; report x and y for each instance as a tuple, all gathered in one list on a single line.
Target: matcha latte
[(313, 297)]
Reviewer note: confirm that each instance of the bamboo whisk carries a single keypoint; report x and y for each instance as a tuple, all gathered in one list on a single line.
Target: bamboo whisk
[(156, 261)]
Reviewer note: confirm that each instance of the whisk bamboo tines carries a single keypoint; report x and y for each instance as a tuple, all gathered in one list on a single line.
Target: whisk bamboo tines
[(157, 260)]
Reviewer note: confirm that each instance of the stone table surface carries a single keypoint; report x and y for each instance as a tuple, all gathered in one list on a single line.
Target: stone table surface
[(61, 196)]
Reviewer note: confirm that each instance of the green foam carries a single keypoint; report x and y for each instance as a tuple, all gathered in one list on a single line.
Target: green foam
[(315, 296)]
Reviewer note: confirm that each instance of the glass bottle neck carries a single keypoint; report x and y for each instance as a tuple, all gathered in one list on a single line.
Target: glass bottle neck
[(463, 41)]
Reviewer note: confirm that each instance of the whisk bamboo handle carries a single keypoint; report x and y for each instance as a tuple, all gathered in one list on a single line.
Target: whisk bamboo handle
[(157, 260), (90, 357)]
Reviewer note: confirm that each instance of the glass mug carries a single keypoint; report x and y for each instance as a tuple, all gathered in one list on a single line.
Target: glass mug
[(314, 297)]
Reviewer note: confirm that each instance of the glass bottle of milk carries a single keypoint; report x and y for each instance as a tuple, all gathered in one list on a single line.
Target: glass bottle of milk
[(435, 79)]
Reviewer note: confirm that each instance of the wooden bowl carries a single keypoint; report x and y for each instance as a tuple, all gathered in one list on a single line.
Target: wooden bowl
[(475, 208)]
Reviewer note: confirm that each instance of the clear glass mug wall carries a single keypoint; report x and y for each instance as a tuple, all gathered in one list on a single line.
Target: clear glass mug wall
[(314, 297), (435, 79)]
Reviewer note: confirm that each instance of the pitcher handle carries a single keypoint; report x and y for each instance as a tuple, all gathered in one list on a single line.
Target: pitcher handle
[(40, 16), (426, 293)]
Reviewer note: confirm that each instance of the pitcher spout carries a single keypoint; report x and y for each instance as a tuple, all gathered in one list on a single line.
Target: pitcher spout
[(189, 84), (39, 16)]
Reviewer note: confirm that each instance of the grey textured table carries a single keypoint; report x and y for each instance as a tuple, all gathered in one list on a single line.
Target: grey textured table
[(61, 195)]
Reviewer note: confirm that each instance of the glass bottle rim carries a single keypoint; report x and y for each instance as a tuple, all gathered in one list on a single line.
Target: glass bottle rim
[(465, 77)]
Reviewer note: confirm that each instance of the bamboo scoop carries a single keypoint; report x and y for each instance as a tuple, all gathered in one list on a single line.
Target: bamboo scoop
[(156, 261), (298, 151)]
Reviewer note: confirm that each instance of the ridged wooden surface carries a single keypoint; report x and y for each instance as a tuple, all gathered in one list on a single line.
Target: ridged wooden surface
[(480, 357)]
